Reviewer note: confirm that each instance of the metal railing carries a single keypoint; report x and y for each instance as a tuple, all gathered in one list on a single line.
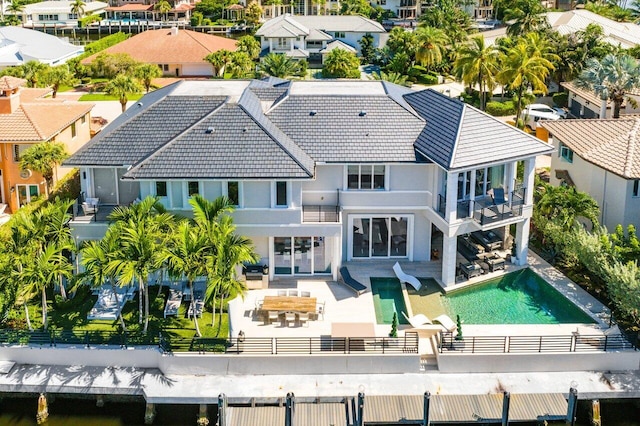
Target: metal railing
[(320, 213), (487, 213), (242, 345), (535, 344)]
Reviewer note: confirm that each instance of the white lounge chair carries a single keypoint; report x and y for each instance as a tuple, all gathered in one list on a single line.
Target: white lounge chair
[(419, 320), (406, 278)]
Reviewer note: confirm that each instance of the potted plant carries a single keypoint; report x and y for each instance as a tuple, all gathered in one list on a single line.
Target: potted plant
[(394, 326)]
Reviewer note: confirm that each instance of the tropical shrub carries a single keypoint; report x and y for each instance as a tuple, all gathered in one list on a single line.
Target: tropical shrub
[(500, 109), (561, 99)]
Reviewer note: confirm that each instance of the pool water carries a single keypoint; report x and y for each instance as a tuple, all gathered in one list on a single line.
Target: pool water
[(520, 297), (387, 299)]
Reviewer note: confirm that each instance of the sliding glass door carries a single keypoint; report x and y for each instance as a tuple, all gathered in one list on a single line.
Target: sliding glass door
[(379, 236), (302, 255)]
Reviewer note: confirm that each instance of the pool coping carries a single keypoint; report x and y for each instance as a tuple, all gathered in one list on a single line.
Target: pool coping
[(579, 297)]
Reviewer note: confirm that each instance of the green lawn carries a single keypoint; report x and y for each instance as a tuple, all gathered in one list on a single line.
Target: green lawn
[(74, 318), (104, 97)]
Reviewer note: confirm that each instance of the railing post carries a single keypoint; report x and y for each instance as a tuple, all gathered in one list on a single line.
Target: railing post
[(473, 344), (507, 344), (540, 344), (86, 339), (606, 341), (310, 345)]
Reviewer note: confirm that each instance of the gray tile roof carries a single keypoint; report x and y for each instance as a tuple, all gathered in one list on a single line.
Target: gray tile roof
[(459, 136), (337, 132), (235, 148), (144, 128)]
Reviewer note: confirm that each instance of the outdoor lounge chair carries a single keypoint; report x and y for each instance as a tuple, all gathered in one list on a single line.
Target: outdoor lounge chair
[(419, 320), (406, 278), (350, 282), (2, 209), (497, 194)]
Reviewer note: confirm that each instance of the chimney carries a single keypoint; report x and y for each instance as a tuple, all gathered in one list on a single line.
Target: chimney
[(10, 94), (174, 31)]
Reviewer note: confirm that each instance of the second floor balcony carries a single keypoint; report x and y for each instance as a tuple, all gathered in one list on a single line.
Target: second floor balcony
[(487, 209)]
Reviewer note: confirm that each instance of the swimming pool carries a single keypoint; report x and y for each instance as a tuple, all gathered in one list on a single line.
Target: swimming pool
[(387, 299), (520, 297)]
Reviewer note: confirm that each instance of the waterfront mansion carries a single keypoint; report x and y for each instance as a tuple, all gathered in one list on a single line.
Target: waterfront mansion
[(322, 172)]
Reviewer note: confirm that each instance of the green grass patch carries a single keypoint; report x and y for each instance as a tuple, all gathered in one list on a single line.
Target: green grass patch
[(73, 318), (93, 97)]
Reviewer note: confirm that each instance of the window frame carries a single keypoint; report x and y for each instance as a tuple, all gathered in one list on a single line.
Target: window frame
[(166, 188), (375, 180), (566, 153), (635, 190), (276, 188), (228, 185), (74, 130), (189, 192)]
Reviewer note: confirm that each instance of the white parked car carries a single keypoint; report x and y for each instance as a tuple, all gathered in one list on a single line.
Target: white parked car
[(534, 112)]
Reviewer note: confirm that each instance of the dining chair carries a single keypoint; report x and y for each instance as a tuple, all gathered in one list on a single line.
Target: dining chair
[(320, 310), (305, 294), (293, 293), (272, 316), (290, 317), (303, 317), (282, 292)]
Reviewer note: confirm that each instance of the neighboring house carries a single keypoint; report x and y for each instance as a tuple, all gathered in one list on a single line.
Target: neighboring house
[(307, 36), (623, 34), (586, 104), (26, 118), (601, 158), (321, 172), (143, 10), (58, 12), (178, 53), (19, 45)]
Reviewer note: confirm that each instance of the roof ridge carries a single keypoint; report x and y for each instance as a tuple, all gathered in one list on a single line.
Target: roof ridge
[(631, 148), (281, 143), (176, 137), (195, 39)]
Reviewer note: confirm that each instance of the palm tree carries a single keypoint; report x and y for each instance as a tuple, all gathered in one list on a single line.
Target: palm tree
[(163, 7), (96, 256), (122, 86), (16, 7), (141, 229), (566, 204), (230, 250), (219, 60), (32, 71), (521, 69), (527, 16), (146, 73), (477, 63), (612, 78), (341, 63), (279, 65), (186, 257), (58, 76), (391, 77), (44, 158), (431, 44), (77, 8), (41, 272), (319, 4), (57, 231)]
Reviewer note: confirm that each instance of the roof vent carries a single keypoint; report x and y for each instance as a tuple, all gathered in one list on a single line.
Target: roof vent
[(245, 130), (139, 104), (209, 130), (362, 113), (313, 112)]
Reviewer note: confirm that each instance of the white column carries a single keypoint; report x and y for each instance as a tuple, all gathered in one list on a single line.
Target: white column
[(510, 175), (451, 197), (529, 180), (522, 241), (472, 194), (449, 255)]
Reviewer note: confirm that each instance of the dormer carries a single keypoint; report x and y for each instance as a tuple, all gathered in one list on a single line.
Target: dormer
[(10, 94)]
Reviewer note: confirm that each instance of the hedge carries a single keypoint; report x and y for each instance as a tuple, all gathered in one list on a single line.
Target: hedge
[(561, 99), (500, 109)]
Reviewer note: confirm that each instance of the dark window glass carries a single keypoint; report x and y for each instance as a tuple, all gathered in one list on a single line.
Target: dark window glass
[(281, 193), (194, 188), (161, 189), (233, 192)]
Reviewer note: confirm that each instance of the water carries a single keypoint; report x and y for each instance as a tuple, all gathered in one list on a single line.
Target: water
[(520, 297), (68, 411), (387, 299)]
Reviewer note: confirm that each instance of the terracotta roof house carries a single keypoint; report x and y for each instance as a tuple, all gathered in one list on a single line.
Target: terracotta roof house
[(585, 103), (26, 118), (322, 172), (142, 12), (310, 36), (177, 52), (601, 158), (19, 45)]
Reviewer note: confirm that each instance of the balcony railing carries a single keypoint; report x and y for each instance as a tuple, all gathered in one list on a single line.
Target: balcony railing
[(535, 344), (316, 214), (484, 210)]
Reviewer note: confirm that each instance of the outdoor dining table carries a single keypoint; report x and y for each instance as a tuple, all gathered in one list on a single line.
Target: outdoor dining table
[(289, 304)]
